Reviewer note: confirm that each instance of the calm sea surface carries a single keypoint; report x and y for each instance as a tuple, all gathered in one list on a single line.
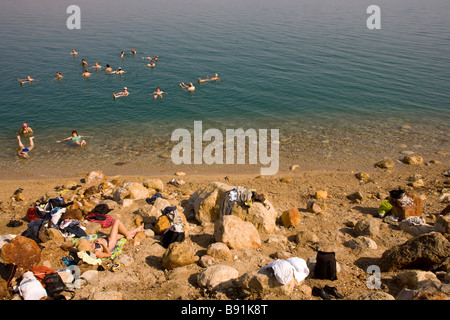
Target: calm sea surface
[(338, 92)]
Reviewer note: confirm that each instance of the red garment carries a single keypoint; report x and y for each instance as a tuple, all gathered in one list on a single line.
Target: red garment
[(104, 223), (31, 215)]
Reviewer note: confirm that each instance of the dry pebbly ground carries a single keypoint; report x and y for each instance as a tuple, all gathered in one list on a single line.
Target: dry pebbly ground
[(144, 277)]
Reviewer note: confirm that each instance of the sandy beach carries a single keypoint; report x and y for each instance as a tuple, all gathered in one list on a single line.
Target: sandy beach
[(145, 278)]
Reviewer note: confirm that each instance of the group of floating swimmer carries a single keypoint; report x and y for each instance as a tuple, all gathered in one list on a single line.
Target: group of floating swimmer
[(27, 132), (124, 93)]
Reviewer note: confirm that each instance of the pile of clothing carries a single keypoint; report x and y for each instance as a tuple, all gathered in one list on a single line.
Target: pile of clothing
[(285, 270), (239, 195)]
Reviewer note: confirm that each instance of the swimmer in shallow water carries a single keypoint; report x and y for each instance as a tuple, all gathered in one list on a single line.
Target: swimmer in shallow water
[(76, 139), (84, 63), (124, 93), (133, 51), (58, 76), (190, 87), (22, 151), (74, 52), (108, 68), (158, 93), (151, 64)]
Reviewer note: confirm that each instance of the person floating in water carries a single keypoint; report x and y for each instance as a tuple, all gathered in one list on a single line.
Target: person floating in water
[(123, 93), (96, 66), (133, 51), (74, 53), (58, 76), (84, 63), (151, 64), (76, 139), (27, 80), (190, 87), (108, 68), (22, 151), (158, 93), (86, 73), (119, 71), (122, 54), (214, 78)]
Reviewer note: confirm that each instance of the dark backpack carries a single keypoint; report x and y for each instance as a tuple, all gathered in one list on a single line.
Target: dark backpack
[(171, 236), (54, 285), (7, 272)]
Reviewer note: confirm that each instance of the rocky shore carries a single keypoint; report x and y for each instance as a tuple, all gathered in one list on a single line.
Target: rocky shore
[(222, 258)]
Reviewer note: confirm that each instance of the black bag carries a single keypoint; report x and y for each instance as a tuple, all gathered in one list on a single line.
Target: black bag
[(171, 236), (325, 266), (7, 272), (53, 284)]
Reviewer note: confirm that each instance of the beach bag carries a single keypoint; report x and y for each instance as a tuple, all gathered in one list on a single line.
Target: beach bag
[(325, 266), (173, 234), (53, 284), (7, 272)]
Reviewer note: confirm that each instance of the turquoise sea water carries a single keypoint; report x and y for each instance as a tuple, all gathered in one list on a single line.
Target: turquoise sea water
[(311, 69)]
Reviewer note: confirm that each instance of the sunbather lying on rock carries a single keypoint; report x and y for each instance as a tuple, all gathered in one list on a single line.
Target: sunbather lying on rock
[(102, 246)]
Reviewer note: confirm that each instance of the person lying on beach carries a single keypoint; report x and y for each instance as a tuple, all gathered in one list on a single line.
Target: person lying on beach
[(96, 66), (124, 93), (84, 63), (86, 73), (27, 80), (58, 76), (103, 246), (189, 87), (158, 93), (118, 71), (22, 151), (108, 68), (74, 52), (76, 139)]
